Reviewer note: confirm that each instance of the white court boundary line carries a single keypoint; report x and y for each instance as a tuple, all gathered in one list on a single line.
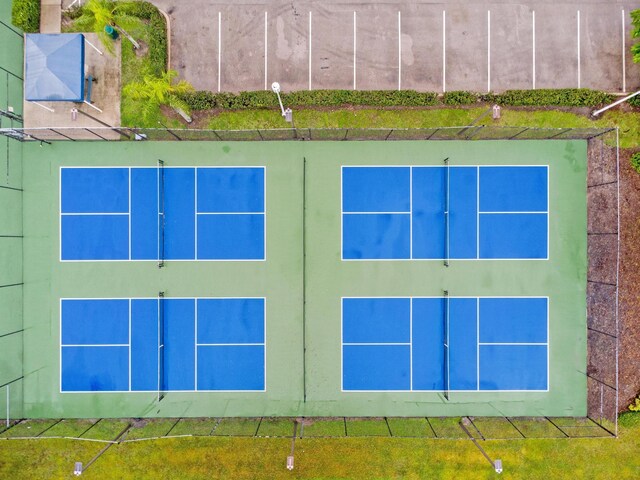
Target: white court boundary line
[(478, 343), (195, 299), (533, 69), (624, 55), (579, 59), (196, 212), (410, 212)]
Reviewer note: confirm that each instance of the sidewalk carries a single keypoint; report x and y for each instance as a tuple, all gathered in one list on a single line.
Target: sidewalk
[(50, 16)]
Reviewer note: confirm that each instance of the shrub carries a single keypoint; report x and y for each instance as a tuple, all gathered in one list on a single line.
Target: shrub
[(635, 164), (459, 97), (203, 100), (565, 97), (25, 14), (635, 101)]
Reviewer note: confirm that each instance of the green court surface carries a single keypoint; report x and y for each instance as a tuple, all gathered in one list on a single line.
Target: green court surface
[(303, 281)]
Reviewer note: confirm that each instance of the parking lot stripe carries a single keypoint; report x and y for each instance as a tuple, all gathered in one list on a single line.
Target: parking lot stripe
[(578, 20), (624, 57), (533, 75), (309, 50), (354, 50), (488, 50), (399, 51), (219, 47), (265, 49), (444, 51)]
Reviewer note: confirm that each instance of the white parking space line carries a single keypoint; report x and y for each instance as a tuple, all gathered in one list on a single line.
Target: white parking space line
[(533, 75), (578, 20), (624, 56), (265, 49), (444, 51), (354, 50), (219, 47), (399, 51), (309, 50), (488, 50)]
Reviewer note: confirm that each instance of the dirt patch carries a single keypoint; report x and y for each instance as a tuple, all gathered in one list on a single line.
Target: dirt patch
[(629, 295)]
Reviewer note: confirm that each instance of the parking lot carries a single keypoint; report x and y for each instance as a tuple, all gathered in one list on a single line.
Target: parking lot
[(439, 46)]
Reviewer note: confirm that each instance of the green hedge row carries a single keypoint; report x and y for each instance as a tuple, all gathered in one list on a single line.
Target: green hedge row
[(204, 100), (25, 14)]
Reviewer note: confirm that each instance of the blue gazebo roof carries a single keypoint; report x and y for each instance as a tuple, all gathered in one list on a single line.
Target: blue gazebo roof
[(54, 67)]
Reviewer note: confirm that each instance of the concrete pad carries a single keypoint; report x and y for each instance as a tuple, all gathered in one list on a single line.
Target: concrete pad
[(50, 17), (511, 48), (242, 48), (556, 46), (466, 48), (105, 95), (288, 47), (422, 48), (377, 49), (332, 48), (601, 47), (194, 43)]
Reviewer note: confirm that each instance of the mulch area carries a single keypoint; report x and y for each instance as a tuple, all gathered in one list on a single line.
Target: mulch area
[(602, 195), (629, 301)]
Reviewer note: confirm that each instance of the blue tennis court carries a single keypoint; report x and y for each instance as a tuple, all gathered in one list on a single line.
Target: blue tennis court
[(445, 212), (162, 344), (445, 344), (172, 213)]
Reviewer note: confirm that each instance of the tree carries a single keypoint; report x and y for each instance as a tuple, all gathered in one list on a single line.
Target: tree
[(162, 90), (97, 14), (635, 33)]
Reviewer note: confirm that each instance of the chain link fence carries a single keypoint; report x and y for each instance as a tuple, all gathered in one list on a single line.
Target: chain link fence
[(469, 132)]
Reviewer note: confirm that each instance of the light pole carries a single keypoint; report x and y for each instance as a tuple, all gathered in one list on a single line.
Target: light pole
[(288, 113)]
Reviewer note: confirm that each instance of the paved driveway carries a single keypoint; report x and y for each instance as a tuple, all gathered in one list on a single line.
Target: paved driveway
[(421, 45)]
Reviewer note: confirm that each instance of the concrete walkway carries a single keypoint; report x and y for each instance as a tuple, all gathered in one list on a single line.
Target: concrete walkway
[(50, 16)]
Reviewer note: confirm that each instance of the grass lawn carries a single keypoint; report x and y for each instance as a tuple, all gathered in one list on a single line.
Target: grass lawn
[(360, 457), (628, 122)]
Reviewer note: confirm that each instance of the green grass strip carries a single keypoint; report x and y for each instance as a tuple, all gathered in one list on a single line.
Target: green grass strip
[(245, 427), (323, 427), (194, 426), (367, 427), (276, 427), (28, 428), (105, 429), (150, 428), (410, 427), (447, 427), (69, 427)]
